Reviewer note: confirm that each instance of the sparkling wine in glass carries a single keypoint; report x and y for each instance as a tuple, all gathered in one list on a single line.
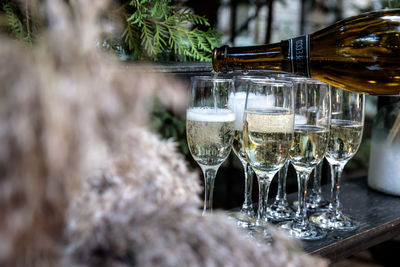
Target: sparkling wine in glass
[(345, 138), (209, 128), (280, 209), (311, 133), (267, 133), (316, 201), (236, 103)]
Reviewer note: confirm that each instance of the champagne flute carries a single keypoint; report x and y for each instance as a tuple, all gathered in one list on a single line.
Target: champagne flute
[(316, 201), (209, 128), (345, 138), (280, 209), (267, 133), (311, 133), (236, 103)]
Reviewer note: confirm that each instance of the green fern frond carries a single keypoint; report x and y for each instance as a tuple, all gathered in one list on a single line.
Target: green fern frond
[(187, 15), (136, 18), (155, 9), (132, 39), (213, 37), (147, 38), (160, 10), (159, 39), (203, 44), (163, 28), (17, 28)]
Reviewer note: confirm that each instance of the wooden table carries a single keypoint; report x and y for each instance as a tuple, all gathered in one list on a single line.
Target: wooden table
[(378, 214)]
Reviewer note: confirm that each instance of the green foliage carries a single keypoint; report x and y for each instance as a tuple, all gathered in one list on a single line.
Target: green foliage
[(17, 28), (157, 30), (170, 126)]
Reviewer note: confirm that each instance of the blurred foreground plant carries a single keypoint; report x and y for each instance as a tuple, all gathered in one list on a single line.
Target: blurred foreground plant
[(153, 30)]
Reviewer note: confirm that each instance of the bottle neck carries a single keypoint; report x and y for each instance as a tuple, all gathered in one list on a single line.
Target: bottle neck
[(268, 57), (288, 55)]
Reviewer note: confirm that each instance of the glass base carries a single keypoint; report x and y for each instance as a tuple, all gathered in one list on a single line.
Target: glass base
[(314, 205), (279, 212), (318, 206), (316, 202), (253, 228), (259, 232), (302, 231), (334, 221), (248, 209), (243, 219)]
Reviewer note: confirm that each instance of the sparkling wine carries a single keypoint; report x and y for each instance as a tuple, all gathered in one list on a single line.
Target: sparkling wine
[(360, 54), (267, 137), (309, 146), (209, 134), (345, 138), (237, 145), (236, 103)]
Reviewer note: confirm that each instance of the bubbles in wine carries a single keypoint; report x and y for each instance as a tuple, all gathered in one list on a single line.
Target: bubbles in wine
[(209, 134)]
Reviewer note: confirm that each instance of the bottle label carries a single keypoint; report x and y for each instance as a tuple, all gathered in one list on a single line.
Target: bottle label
[(299, 50)]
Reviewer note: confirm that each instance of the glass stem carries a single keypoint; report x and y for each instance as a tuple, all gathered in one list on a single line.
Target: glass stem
[(281, 193), (248, 187), (301, 214), (336, 175), (209, 178), (263, 187), (317, 179)]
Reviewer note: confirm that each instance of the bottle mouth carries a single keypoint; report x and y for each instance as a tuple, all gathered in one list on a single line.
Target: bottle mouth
[(219, 63)]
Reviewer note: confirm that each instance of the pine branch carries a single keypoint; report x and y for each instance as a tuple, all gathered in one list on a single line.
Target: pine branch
[(163, 29), (132, 39), (147, 38)]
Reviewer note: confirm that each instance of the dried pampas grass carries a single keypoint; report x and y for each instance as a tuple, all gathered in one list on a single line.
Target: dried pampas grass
[(82, 180)]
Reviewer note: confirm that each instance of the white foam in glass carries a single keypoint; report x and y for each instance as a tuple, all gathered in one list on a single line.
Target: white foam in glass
[(237, 101), (207, 114)]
